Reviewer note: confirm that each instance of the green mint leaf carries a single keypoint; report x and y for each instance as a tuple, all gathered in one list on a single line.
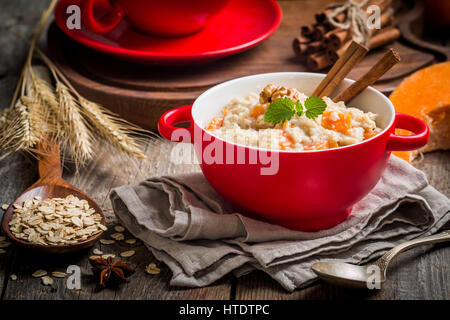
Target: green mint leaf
[(299, 108), (315, 106), (279, 111)]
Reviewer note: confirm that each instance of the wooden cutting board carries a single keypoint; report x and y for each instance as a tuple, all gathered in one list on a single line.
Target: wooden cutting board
[(141, 94)]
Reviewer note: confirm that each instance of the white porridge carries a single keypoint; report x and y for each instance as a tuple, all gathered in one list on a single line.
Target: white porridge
[(244, 121)]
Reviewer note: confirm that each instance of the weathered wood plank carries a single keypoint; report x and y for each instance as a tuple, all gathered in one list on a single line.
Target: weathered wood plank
[(17, 171), (436, 165)]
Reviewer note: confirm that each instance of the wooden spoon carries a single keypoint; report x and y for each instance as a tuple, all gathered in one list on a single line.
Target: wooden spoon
[(51, 185)]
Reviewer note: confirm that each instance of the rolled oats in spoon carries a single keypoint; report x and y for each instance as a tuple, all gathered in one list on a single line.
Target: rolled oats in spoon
[(55, 221)]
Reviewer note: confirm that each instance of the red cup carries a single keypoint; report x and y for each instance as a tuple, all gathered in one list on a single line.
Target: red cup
[(168, 18), (312, 190)]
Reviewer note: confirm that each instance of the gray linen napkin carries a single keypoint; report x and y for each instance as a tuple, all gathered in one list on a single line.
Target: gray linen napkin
[(188, 226)]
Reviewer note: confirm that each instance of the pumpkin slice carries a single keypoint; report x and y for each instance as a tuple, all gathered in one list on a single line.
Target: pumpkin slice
[(426, 95)]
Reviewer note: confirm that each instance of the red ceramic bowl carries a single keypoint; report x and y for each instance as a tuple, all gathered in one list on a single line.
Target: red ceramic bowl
[(307, 190)]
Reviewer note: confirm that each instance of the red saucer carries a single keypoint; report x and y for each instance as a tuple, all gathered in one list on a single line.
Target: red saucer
[(241, 25)]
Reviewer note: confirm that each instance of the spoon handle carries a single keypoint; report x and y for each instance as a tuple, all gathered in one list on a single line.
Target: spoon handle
[(384, 261), (49, 163)]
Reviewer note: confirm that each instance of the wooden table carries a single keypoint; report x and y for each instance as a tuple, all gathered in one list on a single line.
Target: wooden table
[(422, 273)]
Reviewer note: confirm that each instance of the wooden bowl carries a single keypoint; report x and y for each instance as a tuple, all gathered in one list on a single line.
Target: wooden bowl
[(46, 192)]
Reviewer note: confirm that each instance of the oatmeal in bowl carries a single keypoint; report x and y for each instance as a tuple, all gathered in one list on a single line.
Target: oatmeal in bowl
[(247, 121), (288, 158)]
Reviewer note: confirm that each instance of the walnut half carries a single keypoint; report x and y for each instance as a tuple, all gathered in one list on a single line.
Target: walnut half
[(272, 93)]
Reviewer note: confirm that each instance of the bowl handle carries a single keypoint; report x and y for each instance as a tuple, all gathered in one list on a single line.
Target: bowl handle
[(108, 24), (167, 129), (407, 143)]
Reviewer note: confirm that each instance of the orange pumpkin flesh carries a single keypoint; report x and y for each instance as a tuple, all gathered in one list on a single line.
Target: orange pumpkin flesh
[(426, 95)]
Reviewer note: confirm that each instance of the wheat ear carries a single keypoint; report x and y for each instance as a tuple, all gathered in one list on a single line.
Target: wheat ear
[(22, 132), (111, 128), (77, 134), (106, 124)]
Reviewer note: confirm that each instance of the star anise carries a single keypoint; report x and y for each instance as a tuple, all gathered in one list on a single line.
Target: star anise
[(110, 272)]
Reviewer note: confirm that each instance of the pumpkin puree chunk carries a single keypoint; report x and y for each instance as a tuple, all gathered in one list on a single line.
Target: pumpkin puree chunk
[(258, 110), (217, 122), (338, 121)]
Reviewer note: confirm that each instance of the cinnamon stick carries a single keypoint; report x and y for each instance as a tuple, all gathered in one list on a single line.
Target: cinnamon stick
[(303, 46), (382, 38), (322, 16), (334, 39), (387, 17), (334, 55), (319, 31), (354, 53), (389, 59), (307, 30), (315, 46), (385, 36), (383, 4), (300, 45), (318, 61)]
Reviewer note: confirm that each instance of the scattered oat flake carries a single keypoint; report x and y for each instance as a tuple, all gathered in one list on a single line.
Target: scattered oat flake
[(58, 274), (47, 281), (118, 236), (119, 228), (39, 273), (5, 206), (97, 252), (110, 255), (127, 254), (152, 269), (94, 257), (106, 241), (13, 277), (130, 241)]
